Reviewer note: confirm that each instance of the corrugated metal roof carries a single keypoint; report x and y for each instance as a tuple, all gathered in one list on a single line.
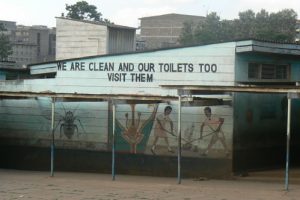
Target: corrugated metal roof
[(264, 46), (293, 91), (5, 94), (199, 89)]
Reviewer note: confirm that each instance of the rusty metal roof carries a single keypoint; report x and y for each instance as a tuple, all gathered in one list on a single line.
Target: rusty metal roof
[(85, 97), (198, 89), (182, 90)]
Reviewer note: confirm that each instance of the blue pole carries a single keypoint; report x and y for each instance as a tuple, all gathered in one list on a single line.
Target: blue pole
[(179, 141), (52, 134), (113, 143), (288, 136)]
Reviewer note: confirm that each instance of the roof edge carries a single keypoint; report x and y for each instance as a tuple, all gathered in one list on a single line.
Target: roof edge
[(98, 23), (168, 48)]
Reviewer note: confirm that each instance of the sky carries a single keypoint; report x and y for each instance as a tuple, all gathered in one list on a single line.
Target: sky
[(128, 12)]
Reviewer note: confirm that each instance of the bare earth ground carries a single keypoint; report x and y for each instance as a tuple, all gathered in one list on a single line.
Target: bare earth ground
[(16, 184)]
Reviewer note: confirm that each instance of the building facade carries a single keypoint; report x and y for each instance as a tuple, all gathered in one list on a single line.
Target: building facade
[(298, 31), (31, 44), (221, 133), (10, 28), (77, 38), (164, 30)]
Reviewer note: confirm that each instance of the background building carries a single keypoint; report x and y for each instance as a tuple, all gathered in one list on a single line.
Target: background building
[(30, 44), (78, 38), (298, 31), (10, 28), (164, 30)]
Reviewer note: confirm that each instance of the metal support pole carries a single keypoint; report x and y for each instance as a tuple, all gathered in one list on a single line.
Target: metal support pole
[(179, 141), (288, 137), (113, 142), (52, 134)]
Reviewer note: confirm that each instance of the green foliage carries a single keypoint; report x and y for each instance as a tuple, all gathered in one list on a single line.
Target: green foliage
[(209, 30), (187, 36), (278, 26), (5, 46), (83, 11)]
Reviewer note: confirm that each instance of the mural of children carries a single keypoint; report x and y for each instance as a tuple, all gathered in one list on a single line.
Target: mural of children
[(161, 128), (214, 126)]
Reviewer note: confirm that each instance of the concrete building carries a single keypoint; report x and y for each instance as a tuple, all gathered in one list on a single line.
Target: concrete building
[(78, 38), (164, 30), (31, 44), (10, 27), (298, 31), (218, 131)]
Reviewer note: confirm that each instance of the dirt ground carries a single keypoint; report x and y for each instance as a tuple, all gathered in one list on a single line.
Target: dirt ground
[(15, 184)]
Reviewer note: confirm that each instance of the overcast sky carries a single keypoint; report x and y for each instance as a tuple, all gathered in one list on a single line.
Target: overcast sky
[(127, 12)]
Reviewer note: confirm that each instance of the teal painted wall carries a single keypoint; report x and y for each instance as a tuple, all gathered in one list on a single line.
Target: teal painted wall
[(25, 138), (28, 122), (260, 126), (87, 126), (242, 60), (260, 119)]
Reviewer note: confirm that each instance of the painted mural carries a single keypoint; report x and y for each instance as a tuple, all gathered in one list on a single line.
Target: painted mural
[(152, 129), (207, 132), (140, 128), (81, 125), (133, 133)]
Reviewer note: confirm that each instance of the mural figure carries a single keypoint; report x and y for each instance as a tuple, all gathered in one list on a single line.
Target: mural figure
[(135, 133), (132, 132), (188, 137), (68, 127), (214, 124), (161, 129), (67, 123)]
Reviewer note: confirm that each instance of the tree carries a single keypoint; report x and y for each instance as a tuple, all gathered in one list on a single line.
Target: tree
[(245, 24), (262, 26), (5, 46), (187, 34), (280, 26), (83, 11), (209, 30), (283, 23)]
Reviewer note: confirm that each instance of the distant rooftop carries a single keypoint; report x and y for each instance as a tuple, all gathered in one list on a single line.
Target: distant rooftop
[(171, 15), (99, 23)]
